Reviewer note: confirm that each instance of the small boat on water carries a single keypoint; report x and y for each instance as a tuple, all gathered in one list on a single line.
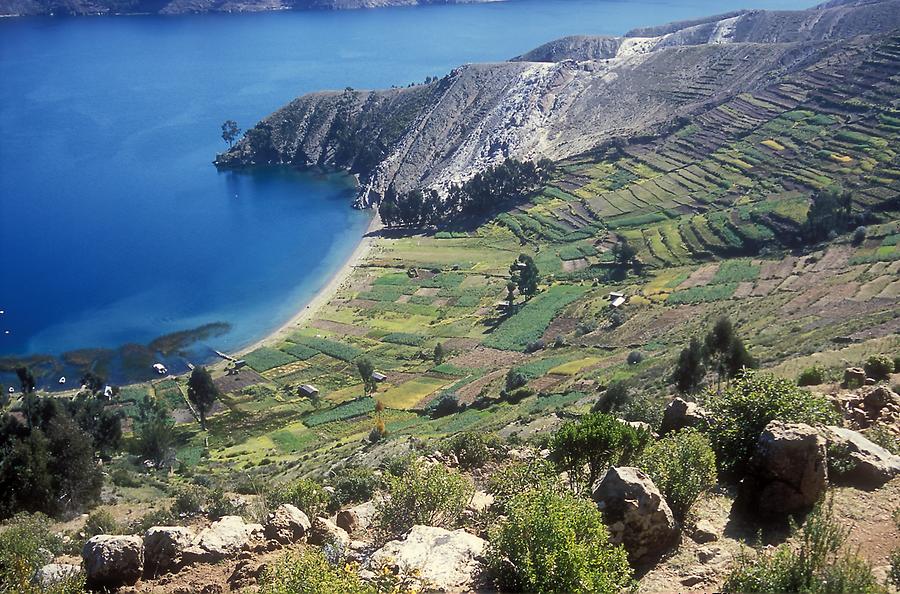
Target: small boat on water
[(62, 380), (160, 368)]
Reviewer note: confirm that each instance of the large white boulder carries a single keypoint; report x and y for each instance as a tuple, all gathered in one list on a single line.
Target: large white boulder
[(448, 561), (224, 538)]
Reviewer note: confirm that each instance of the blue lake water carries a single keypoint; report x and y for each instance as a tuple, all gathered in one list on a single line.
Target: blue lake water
[(114, 226)]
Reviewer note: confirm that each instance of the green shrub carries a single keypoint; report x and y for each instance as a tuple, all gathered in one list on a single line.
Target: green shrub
[(307, 495), (894, 571), (100, 521), (811, 376), (474, 449), (819, 565), (159, 517), (26, 544), (308, 572), (398, 464), (682, 466), (879, 367), (740, 412), (598, 441), (882, 436), (188, 501), (555, 542), (354, 484), (433, 495), (518, 477)]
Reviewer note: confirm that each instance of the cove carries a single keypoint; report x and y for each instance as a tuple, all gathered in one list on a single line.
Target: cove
[(115, 228)]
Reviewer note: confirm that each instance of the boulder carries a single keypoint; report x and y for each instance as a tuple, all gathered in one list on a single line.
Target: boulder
[(348, 520), (788, 471), (879, 397), (245, 574), (870, 465), (637, 515), (286, 524), (324, 531), (680, 414), (224, 538), (447, 561), (164, 547), (113, 561), (854, 376), (365, 514), (55, 573)]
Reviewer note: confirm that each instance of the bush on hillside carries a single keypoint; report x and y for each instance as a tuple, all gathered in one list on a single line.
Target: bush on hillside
[(100, 521), (433, 495), (819, 565), (811, 376), (555, 542), (474, 449), (615, 397), (740, 412), (353, 484), (517, 477), (879, 367), (307, 495), (683, 466), (26, 544), (308, 571), (596, 441)]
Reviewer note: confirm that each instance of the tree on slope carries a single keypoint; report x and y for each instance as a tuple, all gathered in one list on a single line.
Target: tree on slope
[(202, 393)]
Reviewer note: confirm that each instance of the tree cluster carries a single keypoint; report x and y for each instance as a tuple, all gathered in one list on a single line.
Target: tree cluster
[(721, 351), (47, 461), (486, 192), (829, 214)]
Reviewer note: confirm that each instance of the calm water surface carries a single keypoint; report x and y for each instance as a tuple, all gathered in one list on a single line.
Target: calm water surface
[(114, 226)]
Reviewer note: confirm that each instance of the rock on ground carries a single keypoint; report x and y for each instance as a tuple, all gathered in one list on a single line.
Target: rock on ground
[(54, 573), (286, 524), (870, 464), (788, 471), (680, 414), (224, 538), (447, 561), (163, 548), (324, 531), (113, 561), (635, 512)]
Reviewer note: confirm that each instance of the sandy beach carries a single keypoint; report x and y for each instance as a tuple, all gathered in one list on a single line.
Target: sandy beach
[(324, 295)]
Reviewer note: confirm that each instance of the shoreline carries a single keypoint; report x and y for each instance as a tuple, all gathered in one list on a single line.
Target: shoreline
[(324, 295)]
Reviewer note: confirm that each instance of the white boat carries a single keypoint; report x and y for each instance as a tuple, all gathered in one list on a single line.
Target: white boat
[(160, 368), (62, 380)]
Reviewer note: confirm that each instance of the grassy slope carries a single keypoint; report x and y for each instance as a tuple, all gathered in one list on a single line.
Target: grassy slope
[(713, 210)]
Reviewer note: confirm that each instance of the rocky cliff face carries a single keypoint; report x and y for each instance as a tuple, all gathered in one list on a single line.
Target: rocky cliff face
[(98, 7), (565, 98)]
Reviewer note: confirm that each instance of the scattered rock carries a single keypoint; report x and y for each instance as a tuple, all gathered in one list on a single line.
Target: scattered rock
[(447, 561), (635, 512), (286, 524), (854, 376), (680, 414), (113, 561), (348, 520), (870, 464), (704, 532), (788, 471), (324, 531), (246, 574), (365, 514), (54, 573), (163, 548), (224, 538), (707, 555)]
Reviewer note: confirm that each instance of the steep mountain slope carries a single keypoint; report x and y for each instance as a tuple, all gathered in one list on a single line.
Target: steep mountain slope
[(558, 101)]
